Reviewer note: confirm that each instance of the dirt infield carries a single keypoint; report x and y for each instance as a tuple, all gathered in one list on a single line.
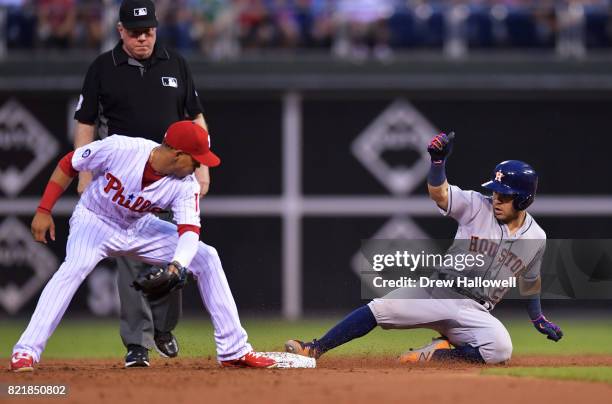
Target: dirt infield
[(336, 380)]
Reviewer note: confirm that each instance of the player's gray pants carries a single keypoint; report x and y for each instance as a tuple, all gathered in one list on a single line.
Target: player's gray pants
[(462, 321), (139, 316)]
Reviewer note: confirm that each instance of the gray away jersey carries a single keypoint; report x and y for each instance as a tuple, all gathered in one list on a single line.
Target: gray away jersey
[(479, 232)]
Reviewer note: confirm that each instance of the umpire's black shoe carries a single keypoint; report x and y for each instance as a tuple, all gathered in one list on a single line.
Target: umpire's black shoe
[(166, 344), (137, 357)]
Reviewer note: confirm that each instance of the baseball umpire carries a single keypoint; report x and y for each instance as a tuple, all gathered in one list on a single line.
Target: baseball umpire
[(461, 314), (138, 89)]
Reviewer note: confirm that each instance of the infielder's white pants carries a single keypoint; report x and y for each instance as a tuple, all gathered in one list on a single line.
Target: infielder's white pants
[(462, 321), (93, 238)]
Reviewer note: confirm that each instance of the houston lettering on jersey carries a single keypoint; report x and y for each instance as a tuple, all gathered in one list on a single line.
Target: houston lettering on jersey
[(139, 205), (490, 248)]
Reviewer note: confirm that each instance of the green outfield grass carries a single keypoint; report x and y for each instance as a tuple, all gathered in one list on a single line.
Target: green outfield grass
[(100, 339), (586, 373)]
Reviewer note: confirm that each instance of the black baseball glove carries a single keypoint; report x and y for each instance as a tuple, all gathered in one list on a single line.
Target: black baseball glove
[(155, 282)]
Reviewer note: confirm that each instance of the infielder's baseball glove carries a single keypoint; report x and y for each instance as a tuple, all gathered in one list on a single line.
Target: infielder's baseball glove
[(155, 282)]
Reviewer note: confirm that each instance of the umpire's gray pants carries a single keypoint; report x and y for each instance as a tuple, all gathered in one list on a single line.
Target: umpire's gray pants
[(140, 317)]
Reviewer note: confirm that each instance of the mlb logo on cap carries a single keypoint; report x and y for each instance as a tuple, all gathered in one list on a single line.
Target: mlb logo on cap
[(170, 82), (135, 14)]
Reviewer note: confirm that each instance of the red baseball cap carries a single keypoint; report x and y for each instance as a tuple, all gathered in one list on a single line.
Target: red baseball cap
[(191, 138)]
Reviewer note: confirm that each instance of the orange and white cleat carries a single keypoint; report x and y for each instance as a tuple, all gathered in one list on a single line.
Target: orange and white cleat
[(22, 362), (309, 349), (425, 353), (251, 360)]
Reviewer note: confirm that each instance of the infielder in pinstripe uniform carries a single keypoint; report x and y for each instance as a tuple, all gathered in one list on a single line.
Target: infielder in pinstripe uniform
[(133, 178)]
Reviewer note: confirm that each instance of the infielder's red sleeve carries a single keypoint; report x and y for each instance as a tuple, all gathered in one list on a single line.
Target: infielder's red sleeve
[(52, 193), (66, 165), (182, 228)]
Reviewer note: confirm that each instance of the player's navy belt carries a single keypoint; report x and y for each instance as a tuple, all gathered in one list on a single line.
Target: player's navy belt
[(486, 304)]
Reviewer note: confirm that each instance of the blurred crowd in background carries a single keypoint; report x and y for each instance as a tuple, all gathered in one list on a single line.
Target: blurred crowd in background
[(347, 28)]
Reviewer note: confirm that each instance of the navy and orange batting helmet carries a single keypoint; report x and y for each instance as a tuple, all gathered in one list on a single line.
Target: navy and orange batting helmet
[(516, 178)]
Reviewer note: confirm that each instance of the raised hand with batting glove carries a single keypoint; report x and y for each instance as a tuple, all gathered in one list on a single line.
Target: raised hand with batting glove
[(548, 328), (440, 147)]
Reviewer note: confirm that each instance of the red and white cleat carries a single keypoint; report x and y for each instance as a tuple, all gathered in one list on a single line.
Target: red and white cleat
[(22, 362), (251, 360)]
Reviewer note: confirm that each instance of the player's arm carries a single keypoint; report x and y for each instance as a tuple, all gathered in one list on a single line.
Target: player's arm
[(199, 120), (193, 108), (156, 282), (186, 210), (530, 285), (439, 194), (60, 180), (202, 173), (439, 148), (84, 134), (540, 322), (187, 246)]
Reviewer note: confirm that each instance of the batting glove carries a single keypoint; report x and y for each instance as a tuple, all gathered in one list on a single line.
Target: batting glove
[(548, 328), (440, 147)]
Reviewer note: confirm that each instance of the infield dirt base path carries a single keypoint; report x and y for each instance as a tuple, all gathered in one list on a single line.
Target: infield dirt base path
[(336, 380)]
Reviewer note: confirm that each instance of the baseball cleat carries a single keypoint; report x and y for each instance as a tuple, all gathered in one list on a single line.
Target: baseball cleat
[(425, 353), (22, 362), (298, 347), (166, 344), (251, 360), (137, 357)]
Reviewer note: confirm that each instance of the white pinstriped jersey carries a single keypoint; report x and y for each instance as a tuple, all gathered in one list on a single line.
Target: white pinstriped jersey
[(117, 164), (113, 219), (516, 255)]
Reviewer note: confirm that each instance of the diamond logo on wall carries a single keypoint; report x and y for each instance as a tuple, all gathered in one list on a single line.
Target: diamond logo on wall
[(393, 147), (26, 147), (22, 257), (398, 228)]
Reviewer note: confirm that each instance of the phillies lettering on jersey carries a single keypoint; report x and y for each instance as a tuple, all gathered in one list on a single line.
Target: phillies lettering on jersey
[(138, 205), (516, 255), (116, 191)]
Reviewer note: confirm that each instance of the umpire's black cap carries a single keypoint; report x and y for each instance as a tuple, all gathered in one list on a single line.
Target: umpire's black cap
[(137, 14)]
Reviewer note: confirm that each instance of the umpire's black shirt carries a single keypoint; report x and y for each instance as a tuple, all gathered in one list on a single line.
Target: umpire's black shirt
[(137, 98)]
